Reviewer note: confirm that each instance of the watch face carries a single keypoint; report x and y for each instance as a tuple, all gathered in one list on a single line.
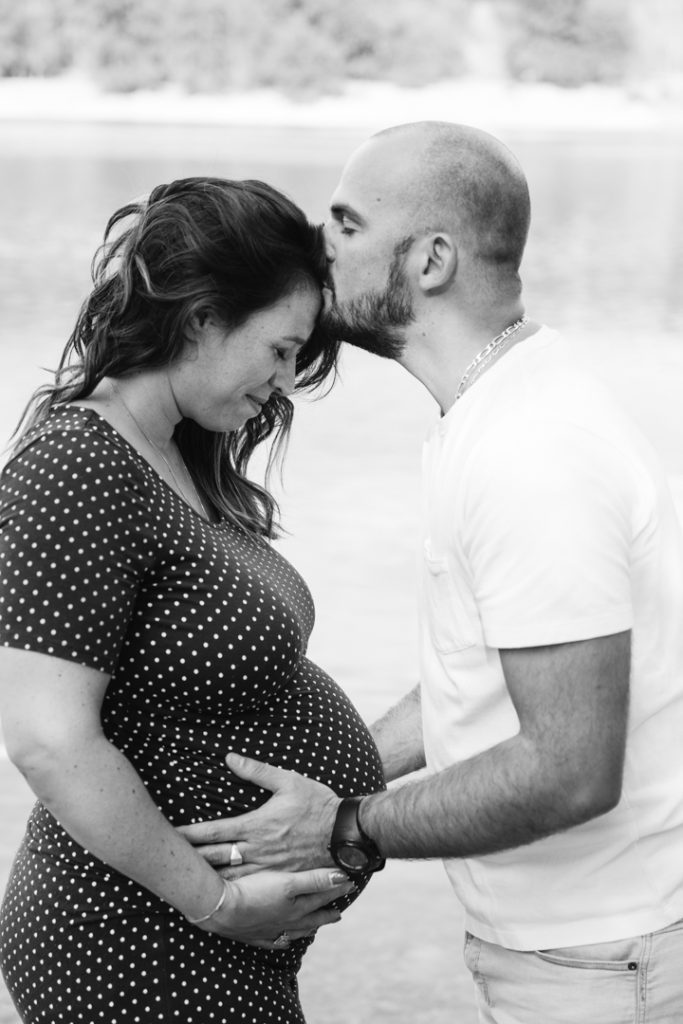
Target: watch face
[(352, 858)]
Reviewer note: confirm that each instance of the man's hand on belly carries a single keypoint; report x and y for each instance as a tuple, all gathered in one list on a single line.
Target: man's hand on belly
[(291, 831)]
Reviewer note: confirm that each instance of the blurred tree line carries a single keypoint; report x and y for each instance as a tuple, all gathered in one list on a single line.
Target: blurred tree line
[(306, 46)]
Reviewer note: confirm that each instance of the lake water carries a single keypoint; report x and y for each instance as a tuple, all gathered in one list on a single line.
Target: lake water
[(604, 264)]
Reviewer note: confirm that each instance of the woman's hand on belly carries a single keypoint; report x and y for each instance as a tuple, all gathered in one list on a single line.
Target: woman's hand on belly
[(257, 910), (291, 831)]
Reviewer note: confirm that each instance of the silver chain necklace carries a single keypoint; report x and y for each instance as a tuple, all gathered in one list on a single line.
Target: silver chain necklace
[(482, 360), (157, 448)]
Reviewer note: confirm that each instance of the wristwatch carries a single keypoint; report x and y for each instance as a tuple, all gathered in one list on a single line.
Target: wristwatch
[(350, 847)]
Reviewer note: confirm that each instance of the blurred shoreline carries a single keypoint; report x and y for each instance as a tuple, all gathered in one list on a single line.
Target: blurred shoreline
[(491, 103), (365, 592)]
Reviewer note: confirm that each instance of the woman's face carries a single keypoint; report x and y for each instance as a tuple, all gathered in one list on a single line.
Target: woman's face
[(224, 378)]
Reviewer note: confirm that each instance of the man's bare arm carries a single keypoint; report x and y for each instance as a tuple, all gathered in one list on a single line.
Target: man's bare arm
[(398, 735), (562, 768)]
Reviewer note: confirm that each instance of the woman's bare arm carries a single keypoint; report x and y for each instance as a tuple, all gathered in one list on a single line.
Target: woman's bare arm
[(51, 720)]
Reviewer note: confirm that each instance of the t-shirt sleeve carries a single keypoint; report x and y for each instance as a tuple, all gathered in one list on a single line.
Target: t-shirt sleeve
[(548, 523), (75, 542)]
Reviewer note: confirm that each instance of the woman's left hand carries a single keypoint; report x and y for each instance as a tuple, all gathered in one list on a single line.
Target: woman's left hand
[(258, 910)]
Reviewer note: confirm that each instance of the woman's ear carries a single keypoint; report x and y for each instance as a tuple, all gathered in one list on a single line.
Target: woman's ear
[(438, 262), (198, 321)]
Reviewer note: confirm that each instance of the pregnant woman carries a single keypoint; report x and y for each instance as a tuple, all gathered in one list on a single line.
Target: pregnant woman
[(148, 627)]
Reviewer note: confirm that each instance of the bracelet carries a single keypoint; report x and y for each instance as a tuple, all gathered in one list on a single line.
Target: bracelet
[(207, 917)]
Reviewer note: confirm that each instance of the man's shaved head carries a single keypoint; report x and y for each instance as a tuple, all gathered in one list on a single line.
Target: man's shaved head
[(426, 212), (456, 178)]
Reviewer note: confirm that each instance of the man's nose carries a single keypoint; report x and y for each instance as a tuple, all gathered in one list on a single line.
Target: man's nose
[(329, 247)]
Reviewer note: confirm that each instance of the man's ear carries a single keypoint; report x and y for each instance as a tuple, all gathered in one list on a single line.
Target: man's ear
[(438, 262)]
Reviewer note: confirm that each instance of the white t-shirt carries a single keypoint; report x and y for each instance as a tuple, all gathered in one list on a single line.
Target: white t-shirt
[(547, 519)]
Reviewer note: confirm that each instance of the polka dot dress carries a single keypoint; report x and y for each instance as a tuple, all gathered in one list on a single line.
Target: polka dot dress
[(204, 631)]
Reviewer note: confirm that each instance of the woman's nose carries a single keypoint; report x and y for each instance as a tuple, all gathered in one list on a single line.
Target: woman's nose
[(285, 377)]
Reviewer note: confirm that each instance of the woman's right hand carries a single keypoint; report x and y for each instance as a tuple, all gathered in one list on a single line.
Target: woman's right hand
[(257, 909)]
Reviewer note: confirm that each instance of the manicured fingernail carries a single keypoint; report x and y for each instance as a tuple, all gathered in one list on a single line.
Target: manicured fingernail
[(338, 878)]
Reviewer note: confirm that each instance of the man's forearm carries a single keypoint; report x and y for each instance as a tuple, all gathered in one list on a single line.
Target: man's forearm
[(398, 735), (499, 799), (563, 767)]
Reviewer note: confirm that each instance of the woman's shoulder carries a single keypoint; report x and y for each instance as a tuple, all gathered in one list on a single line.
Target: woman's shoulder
[(72, 443), (69, 430)]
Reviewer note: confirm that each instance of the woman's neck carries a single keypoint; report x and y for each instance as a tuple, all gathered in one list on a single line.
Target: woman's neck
[(147, 400)]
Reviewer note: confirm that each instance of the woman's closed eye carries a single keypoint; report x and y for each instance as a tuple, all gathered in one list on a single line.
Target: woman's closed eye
[(285, 353)]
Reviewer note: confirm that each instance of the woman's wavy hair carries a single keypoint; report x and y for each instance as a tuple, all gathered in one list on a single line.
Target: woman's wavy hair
[(197, 246)]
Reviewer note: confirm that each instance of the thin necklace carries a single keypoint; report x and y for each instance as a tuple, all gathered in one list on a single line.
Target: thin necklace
[(482, 360), (157, 448)]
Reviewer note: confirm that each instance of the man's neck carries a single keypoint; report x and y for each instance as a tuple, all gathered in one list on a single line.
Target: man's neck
[(438, 355)]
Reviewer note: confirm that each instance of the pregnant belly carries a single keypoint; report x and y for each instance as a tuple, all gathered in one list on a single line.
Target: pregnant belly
[(310, 727)]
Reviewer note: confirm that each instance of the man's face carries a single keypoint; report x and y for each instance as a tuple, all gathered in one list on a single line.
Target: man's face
[(367, 248)]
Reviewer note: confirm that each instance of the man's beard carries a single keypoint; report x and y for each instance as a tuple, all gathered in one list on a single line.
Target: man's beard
[(372, 321)]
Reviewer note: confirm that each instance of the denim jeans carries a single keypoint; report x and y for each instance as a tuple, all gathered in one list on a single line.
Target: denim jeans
[(631, 981)]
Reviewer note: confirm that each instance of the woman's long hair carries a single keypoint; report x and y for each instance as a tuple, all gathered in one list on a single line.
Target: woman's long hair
[(197, 246)]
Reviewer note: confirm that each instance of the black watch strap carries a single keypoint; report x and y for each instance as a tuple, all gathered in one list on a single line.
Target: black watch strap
[(347, 833)]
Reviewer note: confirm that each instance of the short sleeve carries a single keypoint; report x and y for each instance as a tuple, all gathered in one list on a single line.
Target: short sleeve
[(548, 524), (75, 542)]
